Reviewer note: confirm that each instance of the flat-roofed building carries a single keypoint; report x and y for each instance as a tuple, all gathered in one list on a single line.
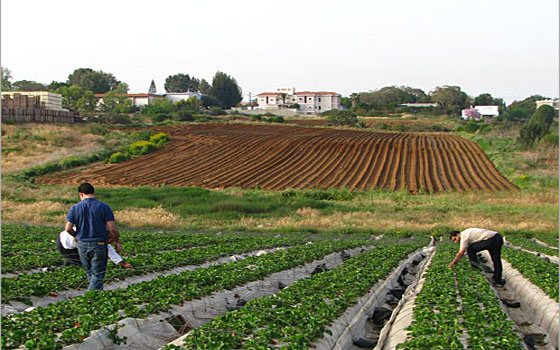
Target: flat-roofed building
[(554, 103)]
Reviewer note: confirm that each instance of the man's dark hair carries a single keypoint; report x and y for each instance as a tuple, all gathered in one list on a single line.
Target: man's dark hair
[(86, 188), (453, 234)]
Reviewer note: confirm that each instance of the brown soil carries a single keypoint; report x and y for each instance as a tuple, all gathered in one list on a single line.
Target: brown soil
[(278, 157)]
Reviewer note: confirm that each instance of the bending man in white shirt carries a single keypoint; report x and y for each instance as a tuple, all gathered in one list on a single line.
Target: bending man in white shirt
[(474, 240), (67, 245)]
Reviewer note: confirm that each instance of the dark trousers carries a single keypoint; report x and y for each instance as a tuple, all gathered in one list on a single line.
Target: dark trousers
[(71, 256), (494, 247)]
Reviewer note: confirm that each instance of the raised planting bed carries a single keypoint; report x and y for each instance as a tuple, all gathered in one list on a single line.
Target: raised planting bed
[(70, 277), (457, 309), (540, 272), (531, 245), (301, 314), (71, 321), (21, 256)]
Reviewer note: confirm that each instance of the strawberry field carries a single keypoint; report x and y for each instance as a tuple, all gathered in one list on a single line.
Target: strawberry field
[(259, 291)]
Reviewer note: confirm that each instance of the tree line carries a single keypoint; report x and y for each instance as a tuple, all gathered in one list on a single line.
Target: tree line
[(83, 83), (450, 100)]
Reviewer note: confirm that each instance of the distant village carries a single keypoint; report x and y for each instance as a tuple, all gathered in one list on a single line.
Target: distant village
[(48, 106)]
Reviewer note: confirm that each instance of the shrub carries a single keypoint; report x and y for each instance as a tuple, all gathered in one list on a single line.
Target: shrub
[(71, 162), (276, 119), (549, 140), (159, 117), (141, 147), (471, 127), (183, 115), (121, 119), (117, 157), (215, 110), (339, 117), (255, 117), (159, 139)]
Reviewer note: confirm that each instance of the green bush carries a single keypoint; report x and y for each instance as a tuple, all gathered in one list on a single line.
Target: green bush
[(120, 119), (159, 139), (183, 115), (159, 117), (471, 127), (71, 162), (255, 117), (117, 157), (549, 140), (215, 110), (141, 147), (276, 119), (339, 117)]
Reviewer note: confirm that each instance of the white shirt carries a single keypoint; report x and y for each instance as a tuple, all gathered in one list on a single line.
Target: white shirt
[(69, 242), (473, 235)]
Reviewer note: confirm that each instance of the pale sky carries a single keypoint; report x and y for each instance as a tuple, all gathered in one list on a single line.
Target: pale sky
[(508, 48)]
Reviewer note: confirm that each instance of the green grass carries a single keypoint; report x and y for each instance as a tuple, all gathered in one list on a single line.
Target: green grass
[(224, 205)]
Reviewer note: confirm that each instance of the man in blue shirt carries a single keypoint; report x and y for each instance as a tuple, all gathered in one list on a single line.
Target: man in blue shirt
[(92, 218)]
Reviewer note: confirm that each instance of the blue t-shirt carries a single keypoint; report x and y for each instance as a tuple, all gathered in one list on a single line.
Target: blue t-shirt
[(90, 217)]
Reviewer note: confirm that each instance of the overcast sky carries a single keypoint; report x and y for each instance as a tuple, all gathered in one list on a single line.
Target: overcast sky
[(508, 48)]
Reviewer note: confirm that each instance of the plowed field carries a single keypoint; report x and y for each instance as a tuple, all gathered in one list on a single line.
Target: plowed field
[(371, 123), (280, 157)]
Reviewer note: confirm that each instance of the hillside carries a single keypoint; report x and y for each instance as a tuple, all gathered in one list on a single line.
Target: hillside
[(279, 157)]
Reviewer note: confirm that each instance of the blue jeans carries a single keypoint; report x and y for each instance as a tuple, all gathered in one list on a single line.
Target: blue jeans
[(94, 260)]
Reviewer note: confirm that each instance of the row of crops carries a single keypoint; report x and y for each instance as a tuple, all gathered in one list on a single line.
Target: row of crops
[(279, 157), (456, 308)]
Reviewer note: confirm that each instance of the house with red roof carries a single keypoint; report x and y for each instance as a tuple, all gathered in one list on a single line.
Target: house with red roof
[(306, 102)]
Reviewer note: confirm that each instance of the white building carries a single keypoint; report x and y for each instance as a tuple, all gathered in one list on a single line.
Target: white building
[(481, 112), (418, 105), (137, 99), (148, 99), (179, 96), (554, 103), (308, 102)]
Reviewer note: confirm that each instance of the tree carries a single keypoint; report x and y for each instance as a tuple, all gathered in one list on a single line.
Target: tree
[(225, 89), (488, 100), (529, 104), (418, 95), (28, 85), (204, 87), (152, 90), (537, 127), (210, 101), (56, 85), (341, 117), (6, 77), (122, 88), (115, 104), (450, 97), (77, 99), (389, 97), (181, 83), (97, 81)]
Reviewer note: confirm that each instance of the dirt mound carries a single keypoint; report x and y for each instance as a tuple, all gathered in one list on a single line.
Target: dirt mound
[(279, 157)]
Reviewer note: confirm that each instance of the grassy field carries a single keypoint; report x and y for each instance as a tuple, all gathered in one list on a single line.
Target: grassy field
[(533, 208)]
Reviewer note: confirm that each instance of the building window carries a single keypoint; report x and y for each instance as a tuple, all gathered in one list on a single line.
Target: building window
[(319, 107), (319, 99)]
